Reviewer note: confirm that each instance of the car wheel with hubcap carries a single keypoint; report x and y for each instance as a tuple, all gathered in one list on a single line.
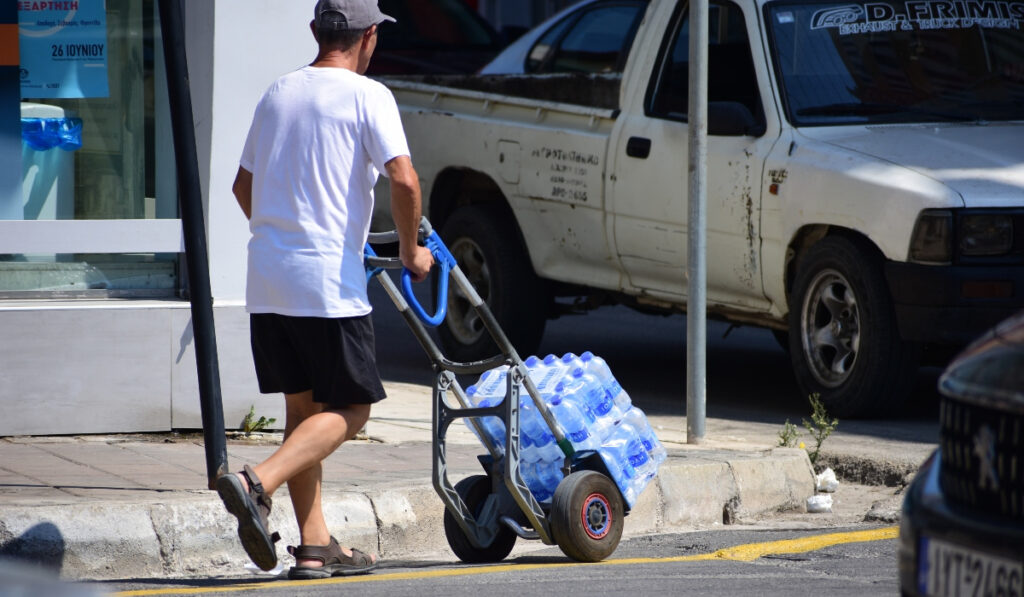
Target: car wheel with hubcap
[(844, 341)]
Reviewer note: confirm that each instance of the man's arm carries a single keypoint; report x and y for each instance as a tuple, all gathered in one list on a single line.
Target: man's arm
[(243, 191), (406, 208)]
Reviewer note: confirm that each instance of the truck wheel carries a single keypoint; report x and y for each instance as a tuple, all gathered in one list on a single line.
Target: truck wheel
[(844, 342), (490, 254)]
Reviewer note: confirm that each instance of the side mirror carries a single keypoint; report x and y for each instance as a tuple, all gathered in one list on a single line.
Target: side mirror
[(733, 119)]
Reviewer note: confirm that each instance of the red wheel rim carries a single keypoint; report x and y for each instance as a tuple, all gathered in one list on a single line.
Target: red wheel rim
[(596, 516)]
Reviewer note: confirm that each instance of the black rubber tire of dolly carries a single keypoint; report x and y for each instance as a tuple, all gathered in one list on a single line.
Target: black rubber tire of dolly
[(516, 297), (881, 378), (474, 491), (572, 513)]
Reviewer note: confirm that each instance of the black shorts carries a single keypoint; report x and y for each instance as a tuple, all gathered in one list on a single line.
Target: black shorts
[(333, 357)]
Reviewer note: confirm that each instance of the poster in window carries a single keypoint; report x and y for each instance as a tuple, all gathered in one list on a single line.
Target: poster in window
[(63, 48)]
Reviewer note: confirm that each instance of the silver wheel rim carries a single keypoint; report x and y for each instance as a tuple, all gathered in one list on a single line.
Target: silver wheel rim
[(463, 320), (830, 328)]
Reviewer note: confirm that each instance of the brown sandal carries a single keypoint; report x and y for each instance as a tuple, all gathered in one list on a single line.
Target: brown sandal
[(252, 509), (335, 562)]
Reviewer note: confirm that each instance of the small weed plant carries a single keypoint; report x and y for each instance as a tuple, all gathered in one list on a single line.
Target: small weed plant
[(250, 424), (820, 427), (788, 435)]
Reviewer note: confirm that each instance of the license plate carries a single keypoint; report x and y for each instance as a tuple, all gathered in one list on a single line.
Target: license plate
[(948, 570)]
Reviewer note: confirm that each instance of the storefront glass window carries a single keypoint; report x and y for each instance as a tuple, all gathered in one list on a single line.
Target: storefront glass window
[(96, 144)]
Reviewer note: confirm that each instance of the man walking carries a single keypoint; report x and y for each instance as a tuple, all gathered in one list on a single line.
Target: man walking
[(319, 138)]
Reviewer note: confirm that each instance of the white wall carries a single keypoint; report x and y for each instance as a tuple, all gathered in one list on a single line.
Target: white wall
[(118, 367), (129, 366), (254, 42)]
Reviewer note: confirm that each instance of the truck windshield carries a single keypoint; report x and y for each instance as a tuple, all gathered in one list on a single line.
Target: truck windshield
[(889, 62)]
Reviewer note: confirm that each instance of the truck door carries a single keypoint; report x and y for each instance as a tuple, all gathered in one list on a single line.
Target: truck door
[(649, 182)]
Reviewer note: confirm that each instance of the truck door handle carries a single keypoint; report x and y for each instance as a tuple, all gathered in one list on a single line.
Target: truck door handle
[(638, 147)]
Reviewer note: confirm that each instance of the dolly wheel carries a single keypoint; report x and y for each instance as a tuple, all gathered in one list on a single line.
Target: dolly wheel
[(586, 516), (474, 491)]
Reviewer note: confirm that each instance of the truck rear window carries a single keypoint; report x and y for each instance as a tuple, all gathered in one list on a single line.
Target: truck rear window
[(888, 62)]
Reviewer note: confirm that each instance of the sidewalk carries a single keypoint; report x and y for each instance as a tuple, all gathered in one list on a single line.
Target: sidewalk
[(110, 507)]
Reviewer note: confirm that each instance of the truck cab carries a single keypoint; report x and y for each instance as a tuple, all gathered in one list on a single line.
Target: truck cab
[(865, 182)]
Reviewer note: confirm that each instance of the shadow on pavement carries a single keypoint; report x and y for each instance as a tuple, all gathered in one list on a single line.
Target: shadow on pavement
[(31, 563)]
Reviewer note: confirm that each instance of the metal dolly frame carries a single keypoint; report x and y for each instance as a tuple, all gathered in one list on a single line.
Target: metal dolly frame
[(509, 495)]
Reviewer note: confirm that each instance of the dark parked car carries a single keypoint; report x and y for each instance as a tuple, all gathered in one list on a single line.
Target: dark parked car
[(592, 36), (433, 37), (962, 530)]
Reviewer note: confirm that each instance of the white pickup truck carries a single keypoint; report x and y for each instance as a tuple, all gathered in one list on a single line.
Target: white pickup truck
[(865, 183)]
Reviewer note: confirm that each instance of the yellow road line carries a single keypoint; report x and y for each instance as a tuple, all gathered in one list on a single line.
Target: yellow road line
[(739, 553)]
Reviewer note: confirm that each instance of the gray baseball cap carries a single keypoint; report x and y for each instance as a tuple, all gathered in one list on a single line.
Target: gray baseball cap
[(348, 14)]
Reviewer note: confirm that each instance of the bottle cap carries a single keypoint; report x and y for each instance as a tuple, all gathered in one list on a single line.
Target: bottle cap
[(555, 401), (577, 372), (471, 390), (568, 357), (531, 361), (550, 359), (585, 357)]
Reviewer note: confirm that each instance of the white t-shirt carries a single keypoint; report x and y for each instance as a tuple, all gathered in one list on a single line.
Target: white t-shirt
[(318, 141)]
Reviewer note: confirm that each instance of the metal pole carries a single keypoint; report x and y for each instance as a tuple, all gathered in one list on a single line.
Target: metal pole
[(696, 317), (194, 229)]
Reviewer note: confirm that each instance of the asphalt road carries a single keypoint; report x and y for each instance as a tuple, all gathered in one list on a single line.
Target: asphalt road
[(726, 563)]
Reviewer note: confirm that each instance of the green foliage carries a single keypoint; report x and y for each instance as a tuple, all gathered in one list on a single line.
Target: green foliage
[(251, 424), (788, 435), (820, 427)]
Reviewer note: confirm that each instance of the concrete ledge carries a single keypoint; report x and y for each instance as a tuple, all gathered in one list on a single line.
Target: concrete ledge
[(783, 486), (192, 535)]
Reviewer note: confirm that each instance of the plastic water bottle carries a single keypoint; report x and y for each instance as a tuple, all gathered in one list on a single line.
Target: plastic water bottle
[(527, 450), (638, 420), (614, 452), (549, 474), (637, 454), (570, 362), (533, 425), (537, 487), (597, 367), (574, 423), (492, 384), (493, 427), (587, 390), (547, 375)]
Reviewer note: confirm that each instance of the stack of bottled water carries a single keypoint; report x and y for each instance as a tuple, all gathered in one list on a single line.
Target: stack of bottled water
[(593, 412)]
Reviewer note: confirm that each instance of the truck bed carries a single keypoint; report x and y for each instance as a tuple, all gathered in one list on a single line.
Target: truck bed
[(599, 91)]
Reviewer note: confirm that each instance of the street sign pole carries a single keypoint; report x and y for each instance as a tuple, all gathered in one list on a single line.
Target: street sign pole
[(696, 316), (194, 231)]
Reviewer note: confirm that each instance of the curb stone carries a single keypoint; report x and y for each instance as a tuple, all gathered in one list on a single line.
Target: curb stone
[(193, 536)]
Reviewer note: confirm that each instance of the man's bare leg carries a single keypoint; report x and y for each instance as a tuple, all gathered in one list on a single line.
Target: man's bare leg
[(311, 434)]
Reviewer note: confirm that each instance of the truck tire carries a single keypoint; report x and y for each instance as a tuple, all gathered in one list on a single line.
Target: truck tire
[(843, 340), (487, 248)]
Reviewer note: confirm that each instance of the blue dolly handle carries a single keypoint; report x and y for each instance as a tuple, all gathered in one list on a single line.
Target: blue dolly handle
[(444, 259)]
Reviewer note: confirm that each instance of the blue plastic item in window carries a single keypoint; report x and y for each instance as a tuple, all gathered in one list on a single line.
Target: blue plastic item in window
[(42, 134)]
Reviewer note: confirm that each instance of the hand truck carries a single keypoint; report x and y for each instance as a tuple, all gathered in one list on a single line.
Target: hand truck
[(484, 514)]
